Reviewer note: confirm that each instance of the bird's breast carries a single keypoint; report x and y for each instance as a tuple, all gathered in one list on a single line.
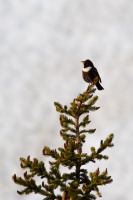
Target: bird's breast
[(86, 69)]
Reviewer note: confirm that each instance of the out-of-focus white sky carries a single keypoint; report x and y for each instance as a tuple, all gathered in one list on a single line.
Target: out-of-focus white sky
[(41, 45)]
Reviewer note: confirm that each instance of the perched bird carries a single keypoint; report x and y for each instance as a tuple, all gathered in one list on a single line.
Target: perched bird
[(90, 74)]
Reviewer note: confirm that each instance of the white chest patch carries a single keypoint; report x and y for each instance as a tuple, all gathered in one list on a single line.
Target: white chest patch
[(87, 69)]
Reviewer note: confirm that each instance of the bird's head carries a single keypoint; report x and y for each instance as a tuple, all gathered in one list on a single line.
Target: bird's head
[(87, 63)]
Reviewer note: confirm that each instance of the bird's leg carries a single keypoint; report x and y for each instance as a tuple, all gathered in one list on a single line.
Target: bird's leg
[(89, 87)]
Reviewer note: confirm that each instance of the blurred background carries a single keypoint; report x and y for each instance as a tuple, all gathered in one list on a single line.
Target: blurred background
[(41, 45)]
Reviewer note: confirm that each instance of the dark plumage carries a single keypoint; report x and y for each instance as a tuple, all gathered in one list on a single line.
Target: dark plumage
[(90, 74)]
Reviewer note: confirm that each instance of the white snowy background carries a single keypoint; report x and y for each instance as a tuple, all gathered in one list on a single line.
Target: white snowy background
[(41, 45)]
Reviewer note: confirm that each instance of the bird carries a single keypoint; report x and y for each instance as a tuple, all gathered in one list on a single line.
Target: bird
[(91, 75)]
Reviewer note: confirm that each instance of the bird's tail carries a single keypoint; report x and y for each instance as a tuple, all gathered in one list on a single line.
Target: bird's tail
[(99, 87)]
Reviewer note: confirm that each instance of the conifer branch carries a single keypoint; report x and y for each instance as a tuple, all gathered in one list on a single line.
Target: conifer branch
[(77, 183)]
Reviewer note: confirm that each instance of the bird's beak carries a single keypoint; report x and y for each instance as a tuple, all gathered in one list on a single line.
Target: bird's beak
[(82, 62)]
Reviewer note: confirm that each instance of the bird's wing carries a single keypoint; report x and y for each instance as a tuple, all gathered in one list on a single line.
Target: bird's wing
[(98, 74)]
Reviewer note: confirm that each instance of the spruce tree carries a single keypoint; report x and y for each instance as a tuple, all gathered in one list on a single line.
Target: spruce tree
[(76, 182)]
